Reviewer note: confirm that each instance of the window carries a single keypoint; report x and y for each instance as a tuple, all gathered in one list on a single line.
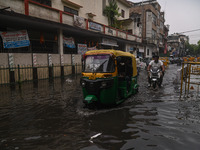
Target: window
[(44, 2), (147, 52), (70, 10), (99, 63), (154, 19), (161, 25), (123, 13), (153, 34), (103, 6), (130, 31)]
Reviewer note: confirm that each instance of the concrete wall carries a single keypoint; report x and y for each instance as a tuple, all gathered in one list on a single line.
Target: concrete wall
[(67, 59), (15, 5), (42, 59), (44, 13), (77, 59), (3, 59), (94, 7), (22, 59), (55, 59), (125, 8)]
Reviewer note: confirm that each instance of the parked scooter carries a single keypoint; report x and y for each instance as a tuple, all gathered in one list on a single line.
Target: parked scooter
[(155, 77)]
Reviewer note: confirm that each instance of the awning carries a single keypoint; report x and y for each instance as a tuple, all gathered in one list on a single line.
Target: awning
[(20, 21), (109, 44)]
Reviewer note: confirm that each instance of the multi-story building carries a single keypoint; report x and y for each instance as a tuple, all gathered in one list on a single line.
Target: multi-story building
[(55, 29), (149, 15), (176, 44)]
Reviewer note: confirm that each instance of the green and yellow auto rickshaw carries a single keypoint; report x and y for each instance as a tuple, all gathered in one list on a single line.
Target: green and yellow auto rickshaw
[(108, 77)]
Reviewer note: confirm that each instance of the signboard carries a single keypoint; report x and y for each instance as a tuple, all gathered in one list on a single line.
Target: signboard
[(78, 21), (15, 39), (109, 42), (69, 42), (82, 48), (95, 26), (92, 48), (141, 50)]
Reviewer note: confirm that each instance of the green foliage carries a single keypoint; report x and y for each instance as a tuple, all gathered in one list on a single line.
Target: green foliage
[(193, 49), (112, 13)]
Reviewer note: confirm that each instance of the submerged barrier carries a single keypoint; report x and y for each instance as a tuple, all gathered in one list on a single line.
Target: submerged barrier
[(190, 75), (22, 73)]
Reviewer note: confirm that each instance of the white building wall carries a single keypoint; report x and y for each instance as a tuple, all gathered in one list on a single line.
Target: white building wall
[(125, 8), (149, 24), (150, 51), (16, 5)]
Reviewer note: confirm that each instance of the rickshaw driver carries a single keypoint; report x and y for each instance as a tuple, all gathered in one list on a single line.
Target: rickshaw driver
[(129, 72), (156, 63)]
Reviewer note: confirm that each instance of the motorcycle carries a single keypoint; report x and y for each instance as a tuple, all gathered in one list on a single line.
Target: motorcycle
[(155, 76)]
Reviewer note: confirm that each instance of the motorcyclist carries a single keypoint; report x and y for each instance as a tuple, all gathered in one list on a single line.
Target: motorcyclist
[(156, 63)]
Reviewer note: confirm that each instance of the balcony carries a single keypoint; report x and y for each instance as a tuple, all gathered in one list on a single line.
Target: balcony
[(35, 9), (150, 41)]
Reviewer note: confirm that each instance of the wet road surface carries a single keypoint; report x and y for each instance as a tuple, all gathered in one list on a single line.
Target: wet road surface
[(50, 116)]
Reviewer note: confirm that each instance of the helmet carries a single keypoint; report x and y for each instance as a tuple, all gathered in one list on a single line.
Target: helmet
[(156, 56)]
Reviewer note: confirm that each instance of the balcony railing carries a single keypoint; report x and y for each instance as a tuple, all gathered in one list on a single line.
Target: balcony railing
[(35, 9)]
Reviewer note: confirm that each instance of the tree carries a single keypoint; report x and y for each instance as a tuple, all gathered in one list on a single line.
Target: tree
[(112, 13), (193, 49)]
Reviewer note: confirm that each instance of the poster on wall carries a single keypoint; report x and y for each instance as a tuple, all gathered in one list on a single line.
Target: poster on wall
[(82, 48), (15, 39), (69, 42), (78, 21), (95, 26)]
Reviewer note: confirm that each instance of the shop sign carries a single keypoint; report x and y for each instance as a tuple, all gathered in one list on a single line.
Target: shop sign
[(141, 50), (15, 39), (92, 48), (82, 48), (78, 21), (109, 42), (95, 26), (110, 31), (69, 42)]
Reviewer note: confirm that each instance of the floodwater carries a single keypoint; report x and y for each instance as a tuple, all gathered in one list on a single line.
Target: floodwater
[(51, 116)]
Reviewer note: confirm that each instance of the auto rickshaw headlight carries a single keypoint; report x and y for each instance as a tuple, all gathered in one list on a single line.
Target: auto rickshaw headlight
[(83, 83), (103, 84)]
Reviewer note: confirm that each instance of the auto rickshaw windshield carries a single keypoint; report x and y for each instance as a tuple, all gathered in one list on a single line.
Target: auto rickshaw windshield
[(99, 63)]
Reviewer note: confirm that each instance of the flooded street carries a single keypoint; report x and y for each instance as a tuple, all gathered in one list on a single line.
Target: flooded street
[(50, 116)]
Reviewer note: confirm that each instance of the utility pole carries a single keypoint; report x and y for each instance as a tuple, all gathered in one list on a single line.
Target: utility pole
[(143, 29)]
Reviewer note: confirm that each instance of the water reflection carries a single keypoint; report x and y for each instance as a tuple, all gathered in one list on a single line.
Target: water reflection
[(50, 115)]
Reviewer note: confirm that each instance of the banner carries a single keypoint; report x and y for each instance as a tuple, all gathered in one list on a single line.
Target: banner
[(82, 48), (69, 42), (79, 21), (95, 26), (165, 50), (15, 39), (92, 48)]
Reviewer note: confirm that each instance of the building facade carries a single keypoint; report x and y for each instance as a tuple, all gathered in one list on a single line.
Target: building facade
[(149, 16), (60, 31), (176, 44)]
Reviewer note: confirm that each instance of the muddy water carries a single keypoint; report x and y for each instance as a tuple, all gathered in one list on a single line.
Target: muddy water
[(50, 116)]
